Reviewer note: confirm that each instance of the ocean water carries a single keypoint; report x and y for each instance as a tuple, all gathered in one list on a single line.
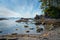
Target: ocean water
[(10, 26)]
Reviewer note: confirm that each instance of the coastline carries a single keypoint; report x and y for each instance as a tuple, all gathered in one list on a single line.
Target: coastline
[(50, 35)]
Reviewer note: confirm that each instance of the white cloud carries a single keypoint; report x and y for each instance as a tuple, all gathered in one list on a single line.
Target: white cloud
[(4, 12), (27, 15), (19, 10), (25, 11)]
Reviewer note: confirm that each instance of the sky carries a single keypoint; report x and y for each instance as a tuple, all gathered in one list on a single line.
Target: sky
[(20, 8)]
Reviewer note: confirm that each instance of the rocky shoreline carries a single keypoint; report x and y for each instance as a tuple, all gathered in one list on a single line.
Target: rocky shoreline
[(46, 35)]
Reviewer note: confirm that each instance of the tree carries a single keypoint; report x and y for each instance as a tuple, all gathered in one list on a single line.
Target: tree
[(52, 12), (49, 10)]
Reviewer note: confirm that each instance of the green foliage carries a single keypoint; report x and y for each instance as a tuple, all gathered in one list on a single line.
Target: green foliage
[(52, 12)]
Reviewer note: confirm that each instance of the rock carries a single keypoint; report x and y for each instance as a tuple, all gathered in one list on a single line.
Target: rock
[(38, 23), (0, 31), (14, 33), (27, 31), (51, 27), (39, 30), (25, 26), (3, 19), (31, 28), (45, 38), (23, 20), (16, 28)]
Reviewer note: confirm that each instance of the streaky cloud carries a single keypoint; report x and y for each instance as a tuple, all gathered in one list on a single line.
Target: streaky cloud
[(8, 13), (19, 8)]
